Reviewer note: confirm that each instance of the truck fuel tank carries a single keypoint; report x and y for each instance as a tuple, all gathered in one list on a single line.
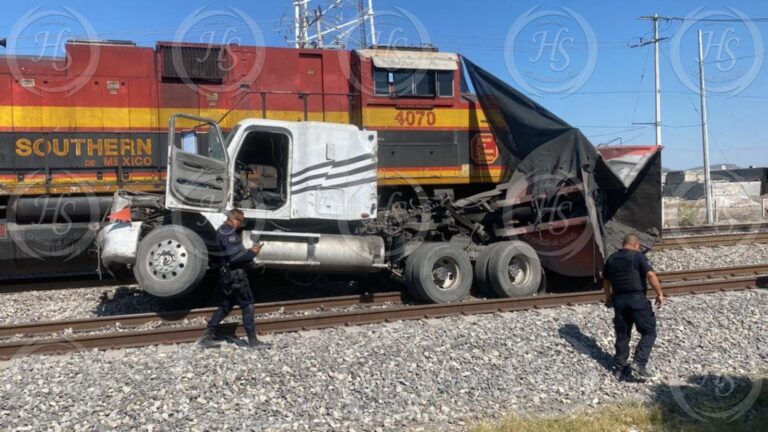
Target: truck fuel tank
[(328, 253)]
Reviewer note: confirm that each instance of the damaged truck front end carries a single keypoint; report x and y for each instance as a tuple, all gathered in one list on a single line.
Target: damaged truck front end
[(563, 205), (571, 201)]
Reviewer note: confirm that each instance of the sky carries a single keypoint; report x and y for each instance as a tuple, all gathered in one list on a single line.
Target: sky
[(573, 57)]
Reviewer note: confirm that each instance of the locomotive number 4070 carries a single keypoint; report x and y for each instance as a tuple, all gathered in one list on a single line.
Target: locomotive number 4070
[(416, 118)]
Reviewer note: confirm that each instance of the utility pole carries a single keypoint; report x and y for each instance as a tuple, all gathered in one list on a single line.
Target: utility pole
[(300, 22), (655, 41), (318, 19), (371, 21), (328, 23), (705, 135), (658, 77)]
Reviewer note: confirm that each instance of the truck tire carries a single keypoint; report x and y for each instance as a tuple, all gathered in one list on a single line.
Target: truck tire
[(442, 272), (481, 271), (413, 290), (171, 261), (514, 270)]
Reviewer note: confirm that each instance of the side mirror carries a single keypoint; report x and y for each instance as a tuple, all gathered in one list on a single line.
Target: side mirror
[(189, 142)]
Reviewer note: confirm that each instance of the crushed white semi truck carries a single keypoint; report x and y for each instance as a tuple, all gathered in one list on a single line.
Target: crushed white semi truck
[(310, 194)]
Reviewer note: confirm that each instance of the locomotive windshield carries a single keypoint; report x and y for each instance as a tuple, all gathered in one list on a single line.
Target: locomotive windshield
[(413, 83)]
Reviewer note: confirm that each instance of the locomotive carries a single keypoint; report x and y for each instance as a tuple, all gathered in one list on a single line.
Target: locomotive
[(75, 130)]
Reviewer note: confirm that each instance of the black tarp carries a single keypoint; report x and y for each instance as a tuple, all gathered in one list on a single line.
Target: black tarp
[(548, 152)]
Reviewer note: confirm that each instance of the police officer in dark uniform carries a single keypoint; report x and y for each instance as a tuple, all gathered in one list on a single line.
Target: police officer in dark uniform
[(233, 280), (627, 274)]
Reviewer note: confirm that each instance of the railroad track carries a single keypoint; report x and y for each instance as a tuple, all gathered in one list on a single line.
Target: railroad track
[(136, 320), (711, 240), (711, 273), (716, 229), (676, 283)]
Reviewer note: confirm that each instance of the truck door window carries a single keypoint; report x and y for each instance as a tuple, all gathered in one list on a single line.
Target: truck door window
[(261, 171), (200, 142)]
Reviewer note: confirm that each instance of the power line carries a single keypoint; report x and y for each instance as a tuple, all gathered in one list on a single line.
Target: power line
[(157, 31), (714, 20), (719, 20), (624, 125), (642, 81), (736, 58), (618, 132)]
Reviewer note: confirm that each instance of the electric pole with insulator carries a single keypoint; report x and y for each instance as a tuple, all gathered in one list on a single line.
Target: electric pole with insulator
[(655, 41)]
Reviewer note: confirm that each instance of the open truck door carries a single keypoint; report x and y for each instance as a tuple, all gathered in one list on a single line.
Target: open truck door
[(198, 165)]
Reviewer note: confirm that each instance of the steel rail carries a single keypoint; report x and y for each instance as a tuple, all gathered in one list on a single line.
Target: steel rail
[(135, 320), (327, 320), (709, 273), (711, 240), (717, 228)]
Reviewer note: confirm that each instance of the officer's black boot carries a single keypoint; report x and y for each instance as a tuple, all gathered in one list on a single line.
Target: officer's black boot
[(621, 372), (206, 340), (642, 373), (255, 343)]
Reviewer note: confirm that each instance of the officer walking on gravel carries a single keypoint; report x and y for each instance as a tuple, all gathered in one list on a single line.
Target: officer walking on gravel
[(626, 276), (233, 280)]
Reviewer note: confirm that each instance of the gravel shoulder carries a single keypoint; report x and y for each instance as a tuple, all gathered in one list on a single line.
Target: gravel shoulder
[(426, 375)]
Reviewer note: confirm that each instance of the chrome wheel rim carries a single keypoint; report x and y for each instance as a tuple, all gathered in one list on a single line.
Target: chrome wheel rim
[(519, 270), (446, 274), (167, 260)]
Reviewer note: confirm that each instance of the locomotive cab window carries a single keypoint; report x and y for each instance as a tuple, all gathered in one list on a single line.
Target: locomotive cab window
[(418, 83), (261, 171)]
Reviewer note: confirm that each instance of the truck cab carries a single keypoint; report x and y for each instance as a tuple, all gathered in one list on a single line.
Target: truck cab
[(284, 176), (273, 170)]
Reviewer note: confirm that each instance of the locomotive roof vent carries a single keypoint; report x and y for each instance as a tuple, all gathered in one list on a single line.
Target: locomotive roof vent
[(198, 62), (422, 48), (407, 59), (108, 42)]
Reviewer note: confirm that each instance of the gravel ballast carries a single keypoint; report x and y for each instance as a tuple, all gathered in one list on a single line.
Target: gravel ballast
[(73, 303), (109, 300), (434, 374), (706, 257)]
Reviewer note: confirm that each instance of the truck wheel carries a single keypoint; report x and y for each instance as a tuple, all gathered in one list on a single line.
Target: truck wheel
[(514, 270), (171, 261), (481, 270), (442, 272), (413, 290)]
